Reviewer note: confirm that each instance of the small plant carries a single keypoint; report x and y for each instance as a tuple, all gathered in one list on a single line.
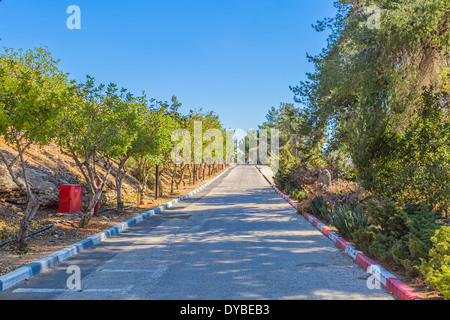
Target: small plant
[(299, 194), (437, 268), (349, 218), (318, 208), (5, 234)]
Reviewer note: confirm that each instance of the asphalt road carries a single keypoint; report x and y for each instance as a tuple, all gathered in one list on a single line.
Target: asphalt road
[(235, 240)]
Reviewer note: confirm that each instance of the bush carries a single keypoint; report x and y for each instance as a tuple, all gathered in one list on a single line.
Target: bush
[(437, 268), (287, 163), (348, 219), (5, 233), (390, 218), (318, 208), (364, 238), (298, 194), (402, 236)]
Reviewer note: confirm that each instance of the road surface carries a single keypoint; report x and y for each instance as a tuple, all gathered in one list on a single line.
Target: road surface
[(235, 240)]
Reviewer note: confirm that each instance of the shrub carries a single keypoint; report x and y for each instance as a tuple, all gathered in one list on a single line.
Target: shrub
[(5, 232), (437, 268), (299, 194), (390, 218), (318, 208), (363, 238), (399, 235), (287, 163), (348, 219), (412, 165)]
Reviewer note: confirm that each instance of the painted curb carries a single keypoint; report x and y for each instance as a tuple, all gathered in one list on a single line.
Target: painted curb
[(13, 278), (389, 281)]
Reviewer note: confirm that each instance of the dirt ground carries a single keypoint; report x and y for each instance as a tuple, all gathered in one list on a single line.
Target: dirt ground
[(68, 233)]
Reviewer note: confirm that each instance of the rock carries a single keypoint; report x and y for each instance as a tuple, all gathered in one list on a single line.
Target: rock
[(44, 189), (325, 178), (46, 173), (9, 191)]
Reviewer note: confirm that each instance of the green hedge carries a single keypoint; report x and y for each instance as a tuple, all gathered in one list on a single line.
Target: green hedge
[(437, 268)]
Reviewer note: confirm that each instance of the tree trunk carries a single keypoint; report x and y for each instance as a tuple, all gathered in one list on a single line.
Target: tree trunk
[(161, 191), (144, 171), (95, 197), (121, 172), (120, 204), (29, 214), (32, 201), (96, 191)]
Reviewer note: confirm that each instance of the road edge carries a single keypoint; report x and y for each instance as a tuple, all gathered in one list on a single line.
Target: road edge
[(389, 281), (13, 278)]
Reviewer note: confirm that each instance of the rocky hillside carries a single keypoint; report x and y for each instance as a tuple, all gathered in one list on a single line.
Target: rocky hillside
[(48, 168)]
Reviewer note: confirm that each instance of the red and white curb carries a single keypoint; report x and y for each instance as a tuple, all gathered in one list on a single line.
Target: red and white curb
[(389, 281)]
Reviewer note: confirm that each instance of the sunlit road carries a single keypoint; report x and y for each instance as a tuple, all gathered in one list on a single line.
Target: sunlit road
[(235, 240)]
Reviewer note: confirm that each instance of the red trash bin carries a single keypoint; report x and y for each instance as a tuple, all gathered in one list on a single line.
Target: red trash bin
[(70, 198)]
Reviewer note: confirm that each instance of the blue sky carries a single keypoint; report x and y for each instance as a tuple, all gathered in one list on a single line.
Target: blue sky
[(235, 57)]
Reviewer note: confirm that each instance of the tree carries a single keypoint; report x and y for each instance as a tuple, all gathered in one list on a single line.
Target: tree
[(201, 124), (92, 131), (368, 82), (131, 137), (296, 135), (414, 167), (153, 142), (33, 94)]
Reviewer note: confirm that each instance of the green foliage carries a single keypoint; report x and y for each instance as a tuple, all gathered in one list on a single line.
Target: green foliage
[(371, 92), (390, 218), (364, 238), (398, 235), (415, 166), (5, 234), (437, 268), (294, 135), (348, 219), (287, 163), (33, 93), (319, 208), (97, 124), (298, 194)]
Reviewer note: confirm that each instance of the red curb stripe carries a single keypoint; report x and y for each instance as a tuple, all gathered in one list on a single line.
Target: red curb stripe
[(398, 288), (401, 290), (364, 261), (326, 231), (341, 243), (315, 222)]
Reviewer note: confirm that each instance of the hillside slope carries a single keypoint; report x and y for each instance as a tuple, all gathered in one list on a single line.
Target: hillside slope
[(48, 168)]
